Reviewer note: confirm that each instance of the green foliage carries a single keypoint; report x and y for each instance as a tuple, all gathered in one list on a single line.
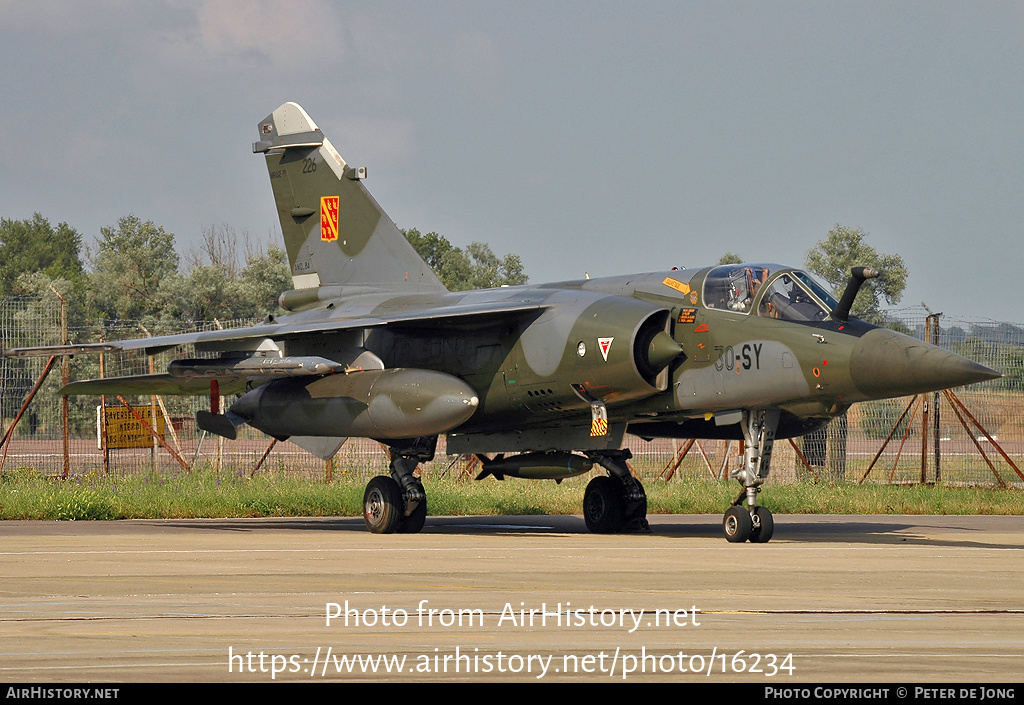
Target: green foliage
[(134, 272), (730, 258), (131, 261), (264, 278), (77, 503), (833, 257), (475, 267), (431, 247), (32, 496), (34, 246), (205, 493), (136, 277), (134, 282), (206, 293), (218, 285)]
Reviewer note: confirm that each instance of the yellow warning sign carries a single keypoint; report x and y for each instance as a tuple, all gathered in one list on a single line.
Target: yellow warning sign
[(125, 431)]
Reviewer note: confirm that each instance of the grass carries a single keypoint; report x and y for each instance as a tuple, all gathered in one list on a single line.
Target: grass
[(25, 494)]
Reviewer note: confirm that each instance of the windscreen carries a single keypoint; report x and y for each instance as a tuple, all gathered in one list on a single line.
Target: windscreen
[(817, 289), (786, 299)]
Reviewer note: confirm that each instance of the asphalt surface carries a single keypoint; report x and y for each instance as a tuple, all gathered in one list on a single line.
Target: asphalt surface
[(893, 599)]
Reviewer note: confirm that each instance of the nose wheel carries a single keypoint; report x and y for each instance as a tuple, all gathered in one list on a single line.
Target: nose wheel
[(737, 525), (764, 525), (752, 523), (740, 524)]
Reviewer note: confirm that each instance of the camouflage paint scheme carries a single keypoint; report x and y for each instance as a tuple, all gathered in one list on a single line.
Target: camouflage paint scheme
[(538, 381)]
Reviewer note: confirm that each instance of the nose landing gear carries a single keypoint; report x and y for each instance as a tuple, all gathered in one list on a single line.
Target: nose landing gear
[(741, 524), (752, 523)]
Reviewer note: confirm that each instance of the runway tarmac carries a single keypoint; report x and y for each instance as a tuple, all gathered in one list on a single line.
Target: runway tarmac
[(894, 599)]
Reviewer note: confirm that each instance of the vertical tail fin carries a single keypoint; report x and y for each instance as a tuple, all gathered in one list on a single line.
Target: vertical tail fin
[(334, 231)]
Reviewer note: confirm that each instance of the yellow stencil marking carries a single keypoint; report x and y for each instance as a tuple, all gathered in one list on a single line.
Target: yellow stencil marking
[(677, 285)]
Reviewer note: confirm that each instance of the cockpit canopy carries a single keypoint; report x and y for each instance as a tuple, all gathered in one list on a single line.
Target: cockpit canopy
[(774, 291)]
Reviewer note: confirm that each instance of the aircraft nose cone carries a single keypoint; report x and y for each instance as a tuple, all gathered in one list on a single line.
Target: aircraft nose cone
[(885, 363)]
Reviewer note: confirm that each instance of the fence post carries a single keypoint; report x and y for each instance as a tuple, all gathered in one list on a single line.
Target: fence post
[(65, 378), (935, 406)]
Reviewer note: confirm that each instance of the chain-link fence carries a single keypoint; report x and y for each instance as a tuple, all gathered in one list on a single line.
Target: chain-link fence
[(24, 322), (970, 435), (909, 440)]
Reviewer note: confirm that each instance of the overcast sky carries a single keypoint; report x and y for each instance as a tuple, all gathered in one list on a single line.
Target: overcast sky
[(600, 137)]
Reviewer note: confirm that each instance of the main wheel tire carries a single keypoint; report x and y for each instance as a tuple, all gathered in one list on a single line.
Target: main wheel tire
[(766, 527), (382, 505), (413, 523), (737, 525), (634, 514), (639, 509), (603, 505)]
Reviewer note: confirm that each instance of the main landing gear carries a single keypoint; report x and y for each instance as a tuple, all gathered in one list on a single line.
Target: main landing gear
[(616, 502), (398, 504), (752, 523)]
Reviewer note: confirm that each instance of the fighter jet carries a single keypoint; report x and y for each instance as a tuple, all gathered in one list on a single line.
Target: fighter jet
[(538, 382)]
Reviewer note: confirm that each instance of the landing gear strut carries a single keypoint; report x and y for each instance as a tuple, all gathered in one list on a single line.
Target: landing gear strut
[(616, 502), (752, 523), (399, 503)]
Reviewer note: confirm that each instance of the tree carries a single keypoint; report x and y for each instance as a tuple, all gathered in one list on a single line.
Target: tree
[(205, 293), (433, 248), (730, 258), (264, 278), (844, 248), (218, 286), (33, 245), (488, 270), (131, 261), (476, 267)]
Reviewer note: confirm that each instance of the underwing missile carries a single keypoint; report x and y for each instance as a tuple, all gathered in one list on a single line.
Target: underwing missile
[(253, 366)]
